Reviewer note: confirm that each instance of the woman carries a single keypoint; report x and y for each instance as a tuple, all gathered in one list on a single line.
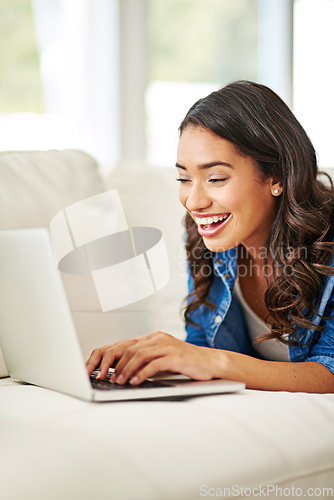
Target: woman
[(260, 251)]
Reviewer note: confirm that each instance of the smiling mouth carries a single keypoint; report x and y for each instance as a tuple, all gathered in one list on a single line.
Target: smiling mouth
[(211, 221), (210, 226)]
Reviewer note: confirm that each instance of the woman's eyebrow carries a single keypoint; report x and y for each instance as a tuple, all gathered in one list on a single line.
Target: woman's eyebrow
[(207, 165)]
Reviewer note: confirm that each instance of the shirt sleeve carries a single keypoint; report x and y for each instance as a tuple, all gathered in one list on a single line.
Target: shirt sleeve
[(195, 333), (323, 351)]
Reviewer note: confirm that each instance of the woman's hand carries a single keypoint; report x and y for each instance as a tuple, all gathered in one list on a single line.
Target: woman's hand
[(141, 357)]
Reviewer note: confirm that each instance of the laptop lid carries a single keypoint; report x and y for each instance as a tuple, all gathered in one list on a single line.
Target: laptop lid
[(37, 333), (37, 338)]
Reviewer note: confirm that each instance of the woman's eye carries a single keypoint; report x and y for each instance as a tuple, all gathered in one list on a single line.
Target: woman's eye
[(183, 180), (218, 180)]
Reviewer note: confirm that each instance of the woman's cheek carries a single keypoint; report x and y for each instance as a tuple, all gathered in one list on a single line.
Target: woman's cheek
[(234, 198)]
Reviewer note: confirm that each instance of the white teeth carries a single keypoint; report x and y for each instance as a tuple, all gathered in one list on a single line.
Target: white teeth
[(203, 221)]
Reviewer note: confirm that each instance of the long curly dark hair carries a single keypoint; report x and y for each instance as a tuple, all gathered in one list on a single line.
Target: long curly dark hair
[(262, 127)]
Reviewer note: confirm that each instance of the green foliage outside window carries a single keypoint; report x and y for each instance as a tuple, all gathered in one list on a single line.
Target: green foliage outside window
[(20, 83), (203, 40)]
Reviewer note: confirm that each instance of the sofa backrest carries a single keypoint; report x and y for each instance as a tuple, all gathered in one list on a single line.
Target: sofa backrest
[(35, 185)]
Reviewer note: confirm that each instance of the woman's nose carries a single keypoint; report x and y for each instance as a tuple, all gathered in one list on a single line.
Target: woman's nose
[(197, 199)]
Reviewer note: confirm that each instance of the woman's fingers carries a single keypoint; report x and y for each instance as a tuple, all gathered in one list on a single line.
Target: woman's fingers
[(114, 353), (95, 359), (105, 356), (107, 360), (132, 361), (143, 353), (155, 366)]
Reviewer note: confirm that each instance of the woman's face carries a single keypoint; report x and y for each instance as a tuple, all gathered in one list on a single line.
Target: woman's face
[(223, 192)]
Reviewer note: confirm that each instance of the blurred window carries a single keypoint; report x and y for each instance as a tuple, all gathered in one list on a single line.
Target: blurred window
[(59, 65), (313, 73), (194, 47), (28, 119), (20, 82)]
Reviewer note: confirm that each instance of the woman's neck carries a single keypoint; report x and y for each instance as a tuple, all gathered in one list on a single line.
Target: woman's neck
[(253, 278), (257, 261)]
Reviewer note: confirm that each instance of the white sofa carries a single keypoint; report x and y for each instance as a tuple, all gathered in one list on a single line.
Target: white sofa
[(252, 443)]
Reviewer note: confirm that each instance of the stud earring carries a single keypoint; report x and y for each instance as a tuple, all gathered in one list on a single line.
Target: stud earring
[(276, 191)]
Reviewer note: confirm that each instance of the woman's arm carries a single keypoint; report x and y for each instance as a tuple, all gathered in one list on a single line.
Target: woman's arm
[(306, 376), (142, 357)]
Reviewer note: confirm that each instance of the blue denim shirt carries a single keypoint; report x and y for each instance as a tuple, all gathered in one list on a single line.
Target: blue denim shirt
[(225, 328)]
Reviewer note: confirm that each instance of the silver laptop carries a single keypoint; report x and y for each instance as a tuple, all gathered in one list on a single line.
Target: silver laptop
[(38, 338)]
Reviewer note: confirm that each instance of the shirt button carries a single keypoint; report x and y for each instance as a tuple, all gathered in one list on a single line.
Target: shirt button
[(218, 319), (219, 262), (227, 276)]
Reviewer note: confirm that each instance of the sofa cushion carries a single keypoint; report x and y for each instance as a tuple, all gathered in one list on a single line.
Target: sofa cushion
[(166, 450)]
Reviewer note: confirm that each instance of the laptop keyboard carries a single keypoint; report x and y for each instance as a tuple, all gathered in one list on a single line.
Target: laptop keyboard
[(105, 385)]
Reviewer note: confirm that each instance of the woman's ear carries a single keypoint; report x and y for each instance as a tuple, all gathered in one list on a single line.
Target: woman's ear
[(276, 187)]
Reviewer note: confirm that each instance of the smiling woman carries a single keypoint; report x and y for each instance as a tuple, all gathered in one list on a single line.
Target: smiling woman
[(260, 250)]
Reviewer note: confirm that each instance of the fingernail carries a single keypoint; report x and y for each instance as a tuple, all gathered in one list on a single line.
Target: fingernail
[(134, 380), (98, 375), (120, 379), (113, 377)]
